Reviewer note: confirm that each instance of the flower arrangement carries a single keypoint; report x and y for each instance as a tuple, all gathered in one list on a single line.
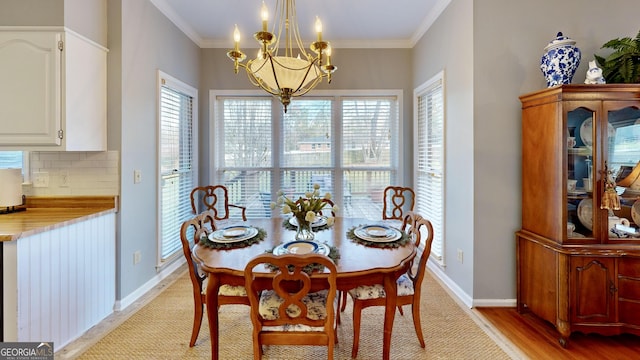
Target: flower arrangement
[(306, 208)]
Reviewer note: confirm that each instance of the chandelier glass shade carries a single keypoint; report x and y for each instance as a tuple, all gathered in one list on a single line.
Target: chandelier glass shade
[(284, 75)]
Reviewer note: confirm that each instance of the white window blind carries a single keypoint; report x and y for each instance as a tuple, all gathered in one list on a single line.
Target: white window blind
[(177, 162), (10, 159), (320, 140), (244, 153), (429, 152), (369, 150)]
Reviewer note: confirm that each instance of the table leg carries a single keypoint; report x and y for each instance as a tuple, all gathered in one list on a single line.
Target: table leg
[(213, 285), (391, 291)]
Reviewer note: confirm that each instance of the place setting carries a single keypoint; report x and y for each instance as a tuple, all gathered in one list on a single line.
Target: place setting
[(378, 235), (235, 236)]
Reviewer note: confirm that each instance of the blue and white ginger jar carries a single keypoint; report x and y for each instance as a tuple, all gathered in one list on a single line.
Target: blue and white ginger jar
[(560, 61)]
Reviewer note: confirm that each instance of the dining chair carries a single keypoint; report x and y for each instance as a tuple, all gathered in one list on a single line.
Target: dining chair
[(409, 284), (397, 200), (203, 224), (215, 198), (286, 306)]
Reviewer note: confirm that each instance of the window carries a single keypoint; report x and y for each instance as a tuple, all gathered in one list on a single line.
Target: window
[(15, 160), (348, 144), (429, 151), (177, 160)]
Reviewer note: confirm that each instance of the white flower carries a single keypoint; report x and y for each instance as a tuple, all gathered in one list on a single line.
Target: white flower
[(310, 217), (286, 209), (280, 193), (330, 221), (335, 208), (308, 194), (272, 205), (316, 186), (327, 196)]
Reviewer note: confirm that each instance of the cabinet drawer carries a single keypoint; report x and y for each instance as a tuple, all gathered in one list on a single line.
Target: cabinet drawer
[(629, 288), (629, 312), (629, 267)]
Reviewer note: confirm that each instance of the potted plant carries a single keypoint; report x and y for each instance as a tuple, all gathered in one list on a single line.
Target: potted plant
[(623, 64)]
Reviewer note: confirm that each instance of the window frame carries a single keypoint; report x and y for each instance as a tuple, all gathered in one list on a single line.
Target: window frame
[(335, 146), (164, 79), (427, 208)]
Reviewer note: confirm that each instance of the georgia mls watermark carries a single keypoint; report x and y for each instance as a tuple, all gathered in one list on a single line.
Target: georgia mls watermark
[(26, 351)]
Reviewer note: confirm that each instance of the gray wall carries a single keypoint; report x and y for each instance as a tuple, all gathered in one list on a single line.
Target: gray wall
[(86, 17), (31, 12), (497, 45), (448, 46), (143, 41)]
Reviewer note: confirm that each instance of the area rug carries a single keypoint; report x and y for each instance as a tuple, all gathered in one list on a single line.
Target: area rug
[(162, 329)]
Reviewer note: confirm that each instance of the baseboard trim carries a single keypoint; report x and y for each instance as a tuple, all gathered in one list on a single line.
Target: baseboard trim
[(129, 300), (462, 296)]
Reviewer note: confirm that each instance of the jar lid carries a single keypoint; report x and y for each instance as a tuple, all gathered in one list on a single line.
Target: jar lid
[(560, 40)]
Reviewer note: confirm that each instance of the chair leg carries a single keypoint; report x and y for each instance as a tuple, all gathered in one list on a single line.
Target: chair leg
[(357, 315), (330, 351), (415, 310), (400, 309), (344, 301), (339, 297), (198, 310), (257, 348)]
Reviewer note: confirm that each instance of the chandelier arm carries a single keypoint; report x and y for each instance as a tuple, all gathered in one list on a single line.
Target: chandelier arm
[(305, 76), (309, 87)]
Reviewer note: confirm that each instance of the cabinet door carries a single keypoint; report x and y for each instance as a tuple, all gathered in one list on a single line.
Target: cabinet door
[(30, 73), (621, 147), (594, 289), (580, 171)]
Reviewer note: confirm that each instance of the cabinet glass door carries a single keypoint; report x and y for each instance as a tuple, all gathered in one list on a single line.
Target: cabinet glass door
[(623, 159), (580, 145)]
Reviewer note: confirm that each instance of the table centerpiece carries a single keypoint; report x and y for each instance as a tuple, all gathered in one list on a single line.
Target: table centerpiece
[(306, 210)]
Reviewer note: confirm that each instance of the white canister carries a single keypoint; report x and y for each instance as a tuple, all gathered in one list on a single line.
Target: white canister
[(10, 187)]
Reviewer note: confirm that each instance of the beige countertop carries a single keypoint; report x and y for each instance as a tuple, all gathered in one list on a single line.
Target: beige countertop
[(47, 213)]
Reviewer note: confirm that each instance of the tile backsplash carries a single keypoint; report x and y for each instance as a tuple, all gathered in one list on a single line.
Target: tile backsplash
[(73, 173)]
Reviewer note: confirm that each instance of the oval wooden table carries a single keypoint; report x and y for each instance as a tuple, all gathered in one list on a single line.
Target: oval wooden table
[(358, 265)]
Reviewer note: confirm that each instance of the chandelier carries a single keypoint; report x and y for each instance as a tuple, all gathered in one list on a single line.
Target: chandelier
[(284, 75)]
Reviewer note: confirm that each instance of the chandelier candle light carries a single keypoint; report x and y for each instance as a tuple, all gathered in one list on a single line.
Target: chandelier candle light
[(284, 75)]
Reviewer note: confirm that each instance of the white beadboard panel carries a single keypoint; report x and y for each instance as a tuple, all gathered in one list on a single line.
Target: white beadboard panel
[(65, 281)]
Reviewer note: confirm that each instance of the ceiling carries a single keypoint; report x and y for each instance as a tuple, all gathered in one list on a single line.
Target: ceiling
[(346, 23)]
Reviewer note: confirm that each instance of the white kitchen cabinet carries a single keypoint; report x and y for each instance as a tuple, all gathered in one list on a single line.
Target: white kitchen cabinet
[(53, 91)]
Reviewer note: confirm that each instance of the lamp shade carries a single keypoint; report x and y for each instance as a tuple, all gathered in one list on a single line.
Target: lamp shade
[(290, 72), (10, 187)]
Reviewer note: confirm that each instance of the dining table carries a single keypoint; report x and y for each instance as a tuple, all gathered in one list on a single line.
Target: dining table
[(358, 264)]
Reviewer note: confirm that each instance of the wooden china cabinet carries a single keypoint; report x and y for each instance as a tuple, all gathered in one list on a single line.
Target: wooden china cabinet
[(578, 266)]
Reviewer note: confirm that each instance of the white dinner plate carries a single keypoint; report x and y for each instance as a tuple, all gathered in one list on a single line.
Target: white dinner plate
[(586, 132), (319, 221), (585, 213), (635, 212), (233, 234), (301, 247), (365, 232)]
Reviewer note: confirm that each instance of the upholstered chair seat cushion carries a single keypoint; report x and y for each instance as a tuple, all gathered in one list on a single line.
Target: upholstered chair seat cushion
[(405, 287), (226, 290), (230, 290), (316, 310)]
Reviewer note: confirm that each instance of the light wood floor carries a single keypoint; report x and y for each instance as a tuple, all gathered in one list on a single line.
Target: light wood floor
[(538, 339)]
